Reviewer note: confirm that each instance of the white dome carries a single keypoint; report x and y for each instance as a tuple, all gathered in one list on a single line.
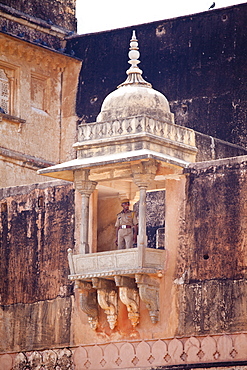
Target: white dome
[(133, 100), (135, 96)]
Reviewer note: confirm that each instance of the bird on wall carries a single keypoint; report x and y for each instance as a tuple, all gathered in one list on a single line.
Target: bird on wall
[(212, 6)]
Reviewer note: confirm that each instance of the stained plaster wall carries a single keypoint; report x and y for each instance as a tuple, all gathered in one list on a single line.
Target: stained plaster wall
[(212, 253), (196, 61), (43, 97), (107, 213), (36, 229)]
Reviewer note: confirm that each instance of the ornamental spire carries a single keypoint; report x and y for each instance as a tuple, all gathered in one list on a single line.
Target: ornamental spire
[(134, 72)]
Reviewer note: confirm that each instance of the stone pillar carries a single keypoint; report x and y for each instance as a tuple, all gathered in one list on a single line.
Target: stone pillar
[(85, 188), (142, 226), (143, 175), (93, 222)]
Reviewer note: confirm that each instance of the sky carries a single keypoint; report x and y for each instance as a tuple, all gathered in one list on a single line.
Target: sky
[(101, 15)]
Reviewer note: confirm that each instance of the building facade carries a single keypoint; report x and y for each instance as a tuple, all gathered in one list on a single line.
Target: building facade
[(69, 299)]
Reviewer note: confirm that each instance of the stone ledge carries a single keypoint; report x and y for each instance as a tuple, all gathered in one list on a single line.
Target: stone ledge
[(10, 118), (24, 160)]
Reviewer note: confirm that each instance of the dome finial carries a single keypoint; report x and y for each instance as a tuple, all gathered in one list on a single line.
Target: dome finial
[(134, 72)]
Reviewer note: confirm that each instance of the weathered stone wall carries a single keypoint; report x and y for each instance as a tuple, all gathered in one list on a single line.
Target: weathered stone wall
[(53, 12), (213, 249), (197, 61), (36, 229)]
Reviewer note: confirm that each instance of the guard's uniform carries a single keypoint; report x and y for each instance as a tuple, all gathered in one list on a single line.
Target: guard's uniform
[(125, 222)]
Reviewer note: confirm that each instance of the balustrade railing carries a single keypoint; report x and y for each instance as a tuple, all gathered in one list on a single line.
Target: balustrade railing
[(133, 126)]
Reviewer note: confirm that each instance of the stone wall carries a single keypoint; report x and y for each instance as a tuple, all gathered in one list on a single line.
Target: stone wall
[(53, 12), (197, 61), (210, 148), (36, 229), (213, 249)]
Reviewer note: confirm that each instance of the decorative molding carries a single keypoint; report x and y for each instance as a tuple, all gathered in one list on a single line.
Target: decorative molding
[(149, 294), (107, 299), (146, 354), (88, 302), (128, 294), (33, 53)]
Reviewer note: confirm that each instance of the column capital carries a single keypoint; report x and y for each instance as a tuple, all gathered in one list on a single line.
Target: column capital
[(144, 172), (82, 182)]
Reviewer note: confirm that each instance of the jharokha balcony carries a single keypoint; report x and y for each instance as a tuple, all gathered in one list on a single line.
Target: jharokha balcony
[(133, 147)]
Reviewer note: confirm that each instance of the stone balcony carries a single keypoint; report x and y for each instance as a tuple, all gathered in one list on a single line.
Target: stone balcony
[(129, 275), (125, 262)]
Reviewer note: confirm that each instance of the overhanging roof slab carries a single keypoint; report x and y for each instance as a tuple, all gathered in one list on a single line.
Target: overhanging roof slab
[(65, 171)]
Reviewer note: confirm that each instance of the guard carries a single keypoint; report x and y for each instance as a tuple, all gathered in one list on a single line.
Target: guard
[(126, 227)]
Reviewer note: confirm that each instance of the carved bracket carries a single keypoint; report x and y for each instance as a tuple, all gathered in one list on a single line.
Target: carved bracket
[(128, 294), (149, 294), (88, 302), (107, 299)]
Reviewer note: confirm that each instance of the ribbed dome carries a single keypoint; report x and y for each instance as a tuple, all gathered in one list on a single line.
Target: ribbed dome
[(135, 96)]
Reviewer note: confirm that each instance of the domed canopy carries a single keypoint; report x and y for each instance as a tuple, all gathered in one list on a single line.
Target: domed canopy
[(135, 96), (135, 124)]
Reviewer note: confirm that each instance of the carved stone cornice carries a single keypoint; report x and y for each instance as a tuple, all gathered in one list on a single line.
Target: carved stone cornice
[(88, 302), (33, 53), (107, 299)]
